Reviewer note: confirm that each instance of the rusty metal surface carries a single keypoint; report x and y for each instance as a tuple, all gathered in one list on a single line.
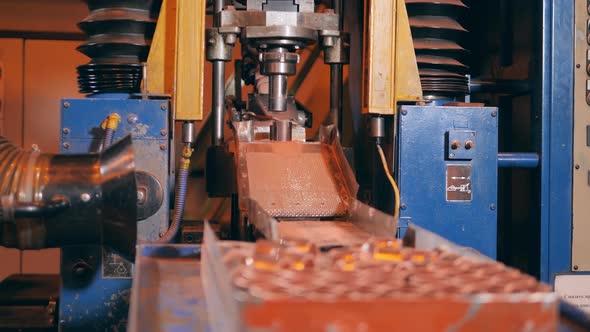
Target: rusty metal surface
[(167, 294)]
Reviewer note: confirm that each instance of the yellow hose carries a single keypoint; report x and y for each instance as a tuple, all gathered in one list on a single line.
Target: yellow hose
[(391, 180)]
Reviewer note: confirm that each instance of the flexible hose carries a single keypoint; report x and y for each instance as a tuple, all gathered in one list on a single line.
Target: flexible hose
[(110, 125), (108, 138), (180, 195), (391, 180)]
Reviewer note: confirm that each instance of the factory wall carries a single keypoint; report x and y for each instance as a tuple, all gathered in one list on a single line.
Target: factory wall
[(37, 68)]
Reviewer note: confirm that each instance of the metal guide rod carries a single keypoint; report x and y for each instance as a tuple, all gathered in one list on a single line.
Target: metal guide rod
[(336, 79), (218, 88)]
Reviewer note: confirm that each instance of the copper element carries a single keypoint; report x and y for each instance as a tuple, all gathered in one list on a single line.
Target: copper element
[(379, 269)]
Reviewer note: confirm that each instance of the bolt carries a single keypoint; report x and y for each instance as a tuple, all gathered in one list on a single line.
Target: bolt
[(132, 118), (578, 66), (81, 269), (469, 145), (163, 132), (404, 112), (66, 131), (452, 155), (576, 267), (164, 106), (455, 145), (66, 145), (492, 207), (472, 134), (85, 197), (35, 147), (66, 104), (211, 41), (141, 196), (163, 147), (403, 206), (161, 234), (577, 166), (494, 114)]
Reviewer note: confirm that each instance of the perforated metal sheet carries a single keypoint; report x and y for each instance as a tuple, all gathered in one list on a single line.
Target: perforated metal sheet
[(323, 233), (296, 180)]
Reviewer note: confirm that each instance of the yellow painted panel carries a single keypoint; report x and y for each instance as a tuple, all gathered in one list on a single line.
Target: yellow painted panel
[(190, 59), (176, 62), (390, 71)]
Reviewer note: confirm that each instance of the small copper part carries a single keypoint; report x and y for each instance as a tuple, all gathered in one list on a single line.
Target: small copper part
[(375, 271), (301, 246)]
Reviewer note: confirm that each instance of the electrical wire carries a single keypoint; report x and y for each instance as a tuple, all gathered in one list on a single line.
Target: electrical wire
[(391, 180)]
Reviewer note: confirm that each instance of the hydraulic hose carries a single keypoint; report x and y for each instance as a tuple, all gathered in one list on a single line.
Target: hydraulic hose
[(180, 194)]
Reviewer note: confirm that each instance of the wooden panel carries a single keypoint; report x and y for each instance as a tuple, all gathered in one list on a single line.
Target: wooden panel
[(42, 15), (41, 261), (181, 26), (11, 97), (50, 75), (11, 90)]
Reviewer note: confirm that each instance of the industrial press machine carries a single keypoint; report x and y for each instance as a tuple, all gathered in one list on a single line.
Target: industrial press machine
[(413, 144)]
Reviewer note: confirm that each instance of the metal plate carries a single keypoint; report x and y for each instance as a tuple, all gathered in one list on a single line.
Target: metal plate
[(292, 179), (574, 289), (323, 233), (105, 293), (167, 291), (459, 183), (580, 260), (466, 219), (115, 266)]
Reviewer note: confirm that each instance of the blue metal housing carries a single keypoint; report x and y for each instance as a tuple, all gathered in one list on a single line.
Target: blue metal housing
[(555, 129), (96, 283), (460, 206)]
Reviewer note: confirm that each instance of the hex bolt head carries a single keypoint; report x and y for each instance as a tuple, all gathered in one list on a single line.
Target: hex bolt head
[(576, 267), (452, 155), (403, 206), (163, 147), (455, 145), (163, 132), (469, 145), (404, 112), (66, 104), (164, 106), (66, 145), (577, 166), (494, 114), (66, 131), (85, 197), (493, 207), (161, 234)]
